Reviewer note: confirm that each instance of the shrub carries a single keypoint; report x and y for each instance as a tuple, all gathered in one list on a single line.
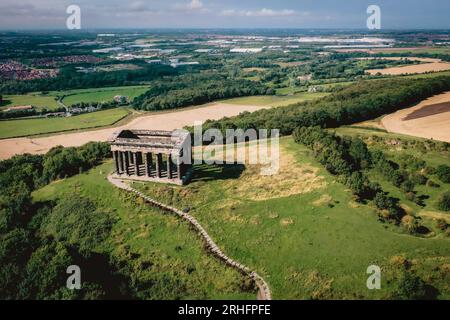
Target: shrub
[(443, 173), (418, 178), (441, 224), (411, 287), (444, 202)]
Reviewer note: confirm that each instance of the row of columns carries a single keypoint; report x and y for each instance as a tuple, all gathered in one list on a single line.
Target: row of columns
[(129, 163)]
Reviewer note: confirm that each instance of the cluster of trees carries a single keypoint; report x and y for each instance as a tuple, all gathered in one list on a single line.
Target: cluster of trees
[(28, 113), (362, 101), (179, 91), (69, 78), (39, 241), (348, 158)]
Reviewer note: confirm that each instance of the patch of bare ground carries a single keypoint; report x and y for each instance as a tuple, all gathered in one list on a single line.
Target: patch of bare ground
[(324, 200), (435, 215), (427, 120)]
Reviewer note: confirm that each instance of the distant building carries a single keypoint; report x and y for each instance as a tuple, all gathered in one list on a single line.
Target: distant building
[(121, 99), (246, 50)]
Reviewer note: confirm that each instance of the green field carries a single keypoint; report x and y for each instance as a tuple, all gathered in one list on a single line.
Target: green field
[(27, 127), (101, 94), (178, 268), (316, 243), (40, 100), (274, 101), (37, 100)]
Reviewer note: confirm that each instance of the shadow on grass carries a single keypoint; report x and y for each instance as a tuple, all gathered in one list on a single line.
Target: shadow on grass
[(209, 172)]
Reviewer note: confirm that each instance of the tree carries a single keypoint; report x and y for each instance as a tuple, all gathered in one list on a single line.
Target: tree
[(411, 287), (443, 173)]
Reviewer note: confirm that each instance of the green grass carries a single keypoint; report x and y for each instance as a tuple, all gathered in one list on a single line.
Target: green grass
[(37, 100), (27, 127), (101, 94), (324, 250), (48, 101), (274, 101), (144, 235)]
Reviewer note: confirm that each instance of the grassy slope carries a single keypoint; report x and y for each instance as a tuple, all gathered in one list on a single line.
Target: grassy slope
[(175, 252), (305, 250), (26, 127)]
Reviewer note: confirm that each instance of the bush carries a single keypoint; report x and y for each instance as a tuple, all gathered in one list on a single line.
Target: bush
[(443, 173), (418, 178), (441, 224), (411, 287), (444, 202)]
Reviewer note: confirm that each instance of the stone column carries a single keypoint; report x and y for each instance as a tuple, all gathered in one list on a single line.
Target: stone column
[(150, 164), (120, 158), (116, 161), (136, 163), (158, 165), (179, 166), (169, 166), (127, 163), (130, 157)]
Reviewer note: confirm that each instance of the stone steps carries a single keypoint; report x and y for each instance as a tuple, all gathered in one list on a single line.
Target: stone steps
[(264, 290)]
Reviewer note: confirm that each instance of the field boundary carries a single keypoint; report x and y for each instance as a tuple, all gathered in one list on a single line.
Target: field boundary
[(264, 292)]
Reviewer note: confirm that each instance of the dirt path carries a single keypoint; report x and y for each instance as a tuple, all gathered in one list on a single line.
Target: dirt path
[(263, 288), (429, 119), (156, 121)]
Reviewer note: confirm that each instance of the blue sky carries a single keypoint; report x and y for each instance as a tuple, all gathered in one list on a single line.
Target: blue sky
[(397, 14)]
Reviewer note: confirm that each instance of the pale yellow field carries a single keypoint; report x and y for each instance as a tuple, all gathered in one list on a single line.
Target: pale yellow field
[(156, 121), (427, 124), (412, 69)]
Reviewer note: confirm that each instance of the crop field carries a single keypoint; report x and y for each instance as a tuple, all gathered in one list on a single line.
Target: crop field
[(27, 127)]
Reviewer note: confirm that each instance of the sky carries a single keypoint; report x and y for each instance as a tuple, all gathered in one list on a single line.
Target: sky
[(395, 14)]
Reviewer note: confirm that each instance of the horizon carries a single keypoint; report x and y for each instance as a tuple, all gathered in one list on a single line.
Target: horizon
[(233, 14)]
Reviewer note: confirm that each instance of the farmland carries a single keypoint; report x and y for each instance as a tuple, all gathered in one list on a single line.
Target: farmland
[(27, 127)]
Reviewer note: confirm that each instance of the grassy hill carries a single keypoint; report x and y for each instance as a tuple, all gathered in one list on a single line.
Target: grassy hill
[(300, 229)]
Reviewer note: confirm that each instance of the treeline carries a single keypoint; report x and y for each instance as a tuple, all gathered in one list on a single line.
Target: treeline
[(348, 158), (351, 160), (70, 79), (39, 241), (28, 113), (195, 89), (362, 101)]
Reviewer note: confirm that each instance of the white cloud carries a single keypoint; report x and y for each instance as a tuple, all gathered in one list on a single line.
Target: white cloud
[(195, 4), (264, 12)]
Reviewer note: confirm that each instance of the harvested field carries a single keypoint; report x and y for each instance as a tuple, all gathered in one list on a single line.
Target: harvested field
[(429, 111), (429, 119), (412, 69), (155, 121)]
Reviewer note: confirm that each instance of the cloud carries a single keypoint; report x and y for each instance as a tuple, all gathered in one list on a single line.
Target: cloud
[(195, 4), (192, 6), (264, 12)]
